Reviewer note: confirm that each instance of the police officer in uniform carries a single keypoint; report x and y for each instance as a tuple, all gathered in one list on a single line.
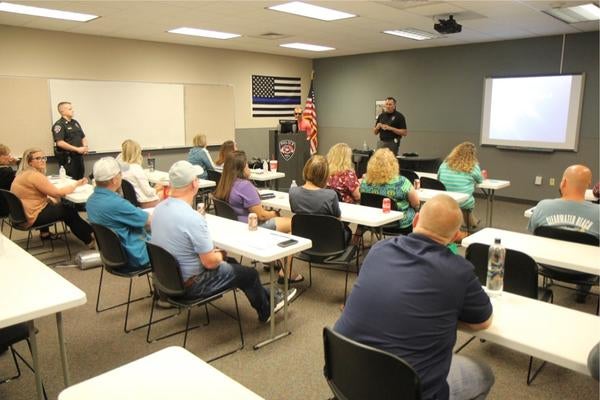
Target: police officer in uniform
[(70, 143), (390, 126)]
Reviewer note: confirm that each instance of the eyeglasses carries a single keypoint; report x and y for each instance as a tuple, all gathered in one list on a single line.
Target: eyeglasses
[(40, 158), (297, 113)]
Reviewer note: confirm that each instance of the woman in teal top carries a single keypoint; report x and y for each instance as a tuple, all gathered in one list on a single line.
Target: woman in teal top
[(383, 178), (199, 155), (460, 172)]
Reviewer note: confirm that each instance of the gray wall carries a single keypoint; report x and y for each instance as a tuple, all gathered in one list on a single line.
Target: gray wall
[(440, 90)]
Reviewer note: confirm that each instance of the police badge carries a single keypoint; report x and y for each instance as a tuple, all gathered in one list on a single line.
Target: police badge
[(57, 128), (287, 149)]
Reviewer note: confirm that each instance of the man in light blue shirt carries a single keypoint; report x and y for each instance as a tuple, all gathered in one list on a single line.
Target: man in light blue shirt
[(205, 270), (105, 207)]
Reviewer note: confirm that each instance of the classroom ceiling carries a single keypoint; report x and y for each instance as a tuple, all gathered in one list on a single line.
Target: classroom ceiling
[(264, 30)]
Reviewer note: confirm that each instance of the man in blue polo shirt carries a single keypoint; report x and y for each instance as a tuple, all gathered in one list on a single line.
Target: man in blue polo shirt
[(411, 293), (105, 207)]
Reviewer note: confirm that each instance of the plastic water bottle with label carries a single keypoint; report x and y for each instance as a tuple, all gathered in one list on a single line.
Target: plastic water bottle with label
[(495, 269), (62, 173)]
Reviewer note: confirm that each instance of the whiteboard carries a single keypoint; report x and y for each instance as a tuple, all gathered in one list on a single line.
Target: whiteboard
[(111, 111)]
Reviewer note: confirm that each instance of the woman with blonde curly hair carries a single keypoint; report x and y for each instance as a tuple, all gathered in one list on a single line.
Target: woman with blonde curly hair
[(383, 178), (131, 160), (342, 177), (460, 172)]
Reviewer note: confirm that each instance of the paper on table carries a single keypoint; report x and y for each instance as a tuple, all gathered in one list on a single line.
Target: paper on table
[(263, 240)]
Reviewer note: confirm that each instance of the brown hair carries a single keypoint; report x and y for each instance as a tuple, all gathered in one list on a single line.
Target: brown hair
[(226, 148), (316, 171), (4, 150), (233, 169), (27, 157)]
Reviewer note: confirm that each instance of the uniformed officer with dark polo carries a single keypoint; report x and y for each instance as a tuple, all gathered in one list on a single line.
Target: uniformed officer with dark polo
[(70, 143), (390, 126)]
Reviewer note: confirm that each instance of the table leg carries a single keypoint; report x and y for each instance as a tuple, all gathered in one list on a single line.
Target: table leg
[(491, 200), (36, 364), (63, 349), (272, 337)]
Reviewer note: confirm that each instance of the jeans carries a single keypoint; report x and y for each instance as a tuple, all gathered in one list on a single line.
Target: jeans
[(61, 212), (469, 379), (231, 275)]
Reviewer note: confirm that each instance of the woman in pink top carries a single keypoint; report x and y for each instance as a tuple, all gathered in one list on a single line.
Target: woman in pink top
[(342, 177), (41, 199)]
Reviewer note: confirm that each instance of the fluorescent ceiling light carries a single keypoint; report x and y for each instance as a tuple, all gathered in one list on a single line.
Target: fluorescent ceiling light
[(310, 11), (572, 15), (414, 34), (204, 33), (305, 46), (46, 12)]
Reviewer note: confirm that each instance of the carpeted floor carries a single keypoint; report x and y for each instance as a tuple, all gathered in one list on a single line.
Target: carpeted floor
[(288, 369)]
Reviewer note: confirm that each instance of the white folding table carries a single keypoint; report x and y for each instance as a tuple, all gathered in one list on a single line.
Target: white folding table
[(171, 373), (81, 193), (552, 333), (351, 213), (558, 253), (260, 245), (428, 194), (161, 177), (30, 290)]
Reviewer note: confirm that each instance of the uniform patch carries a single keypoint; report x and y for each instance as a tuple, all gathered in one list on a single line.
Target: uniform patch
[(57, 128), (287, 149)]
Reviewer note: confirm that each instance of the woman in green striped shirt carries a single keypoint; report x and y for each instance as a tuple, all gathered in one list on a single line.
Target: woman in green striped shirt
[(460, 172)]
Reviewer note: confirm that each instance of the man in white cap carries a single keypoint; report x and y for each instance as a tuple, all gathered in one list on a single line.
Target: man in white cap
[(105, 207), (205, 270)]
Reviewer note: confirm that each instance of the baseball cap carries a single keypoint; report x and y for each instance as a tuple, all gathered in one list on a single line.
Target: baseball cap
[(105, 169), (182, 173)]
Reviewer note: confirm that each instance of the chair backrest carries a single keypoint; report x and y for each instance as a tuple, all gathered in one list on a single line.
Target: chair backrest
[(129, 192), (375, 200), (430, 183), (520, 270), (4, 211), (15, 207), (356, 371), (566, 235), (408, 174), (109, 244), (325, 231), (213, 175), (166, 274), (223, 209)]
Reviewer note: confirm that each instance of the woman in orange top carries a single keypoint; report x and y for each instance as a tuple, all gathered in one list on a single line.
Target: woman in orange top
[(41, 199)]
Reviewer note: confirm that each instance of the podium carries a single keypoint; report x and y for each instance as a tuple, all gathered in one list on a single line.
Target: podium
[(291, 150)]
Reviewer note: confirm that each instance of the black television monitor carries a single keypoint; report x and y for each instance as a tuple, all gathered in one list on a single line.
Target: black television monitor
[(288, 126)]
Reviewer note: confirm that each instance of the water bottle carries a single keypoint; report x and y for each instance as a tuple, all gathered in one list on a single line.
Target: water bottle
[(495, 269), (365, 146), (62, 173), (293, 184), (265, 166)]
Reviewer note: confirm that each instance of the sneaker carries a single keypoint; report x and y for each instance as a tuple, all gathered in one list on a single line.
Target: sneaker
[(160, 303), (279, 298)]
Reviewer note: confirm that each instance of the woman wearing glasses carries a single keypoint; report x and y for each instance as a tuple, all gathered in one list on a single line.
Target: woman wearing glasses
[(41, 199)]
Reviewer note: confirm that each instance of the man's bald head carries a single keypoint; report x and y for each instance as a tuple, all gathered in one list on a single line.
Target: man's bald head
[(439, 219), (576, 179)]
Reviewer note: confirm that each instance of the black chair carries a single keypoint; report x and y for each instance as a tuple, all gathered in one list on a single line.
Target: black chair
[(10, 336), (329, 246), (115, 262), (18, 221), (223, 209), (376, 200), (355, 371), (166, 276), (565, 275), (213, 175), (430, 183), (129, 192), (520, 277), (408, 174), (4, 212)]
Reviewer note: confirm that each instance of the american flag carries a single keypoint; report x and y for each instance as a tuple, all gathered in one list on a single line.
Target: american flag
[(310, 114), (274, 96)]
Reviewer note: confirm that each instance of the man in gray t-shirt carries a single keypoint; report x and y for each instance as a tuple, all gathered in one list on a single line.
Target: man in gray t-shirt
[(570, 211)]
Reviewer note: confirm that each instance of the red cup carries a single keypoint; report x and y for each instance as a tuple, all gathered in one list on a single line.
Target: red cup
[(273, 165), (484, 173), (386, 205)]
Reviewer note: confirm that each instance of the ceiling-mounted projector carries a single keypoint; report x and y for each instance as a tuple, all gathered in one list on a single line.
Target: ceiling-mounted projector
[(447, 25)]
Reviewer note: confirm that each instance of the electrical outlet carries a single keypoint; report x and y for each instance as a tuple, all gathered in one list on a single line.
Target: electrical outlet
[(551, 182), (538, 180)]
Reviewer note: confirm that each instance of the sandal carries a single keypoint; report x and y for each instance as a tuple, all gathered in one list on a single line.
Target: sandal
[(299, 278)]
